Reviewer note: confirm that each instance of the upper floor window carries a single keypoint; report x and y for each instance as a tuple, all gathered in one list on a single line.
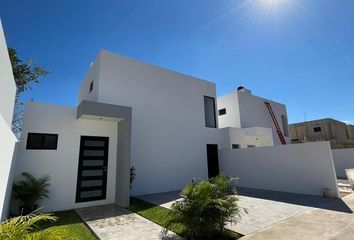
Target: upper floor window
[(42, 141), (91, 86), (317, 129), (222, 111), (209, 110)]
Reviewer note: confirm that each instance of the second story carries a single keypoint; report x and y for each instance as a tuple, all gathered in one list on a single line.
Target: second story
[(155, 94), (241, 109), (7, 82)]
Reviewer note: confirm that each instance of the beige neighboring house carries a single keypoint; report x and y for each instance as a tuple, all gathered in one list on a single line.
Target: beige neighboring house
[(338, 133)]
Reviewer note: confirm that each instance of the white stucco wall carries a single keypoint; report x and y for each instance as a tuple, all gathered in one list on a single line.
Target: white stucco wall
[(169, 136), (62, 164), (7, 138), (259, 137), (7, 83), (91, 76), (232, 116), (299, 168), (253, 113), (7, 146), (343, 159)]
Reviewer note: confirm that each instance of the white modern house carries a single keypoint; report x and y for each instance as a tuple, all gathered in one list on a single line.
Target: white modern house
[(169, 126)]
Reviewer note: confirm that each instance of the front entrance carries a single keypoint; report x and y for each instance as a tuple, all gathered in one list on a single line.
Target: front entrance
[(213, 161), (92, 172)]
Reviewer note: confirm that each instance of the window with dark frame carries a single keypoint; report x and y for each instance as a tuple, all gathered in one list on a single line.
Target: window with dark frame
[(91, 86), (317, 129), (236, 146), (222, 111), (42, 141), (209, 111)]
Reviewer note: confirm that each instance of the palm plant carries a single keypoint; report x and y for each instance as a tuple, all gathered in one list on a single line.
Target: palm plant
[(30, 190), (206, 207), (24, 228)]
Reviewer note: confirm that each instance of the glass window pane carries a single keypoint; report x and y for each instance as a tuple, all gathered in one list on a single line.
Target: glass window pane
[(92, 163), (91, 183), (34, 141), (50, 141), (209, 109), (91, 143), (93, 153), (90, 173), (87, 194)]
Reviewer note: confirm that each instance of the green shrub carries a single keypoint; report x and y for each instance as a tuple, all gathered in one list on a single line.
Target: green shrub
[(29, 191), (23, 228), (206, 206)]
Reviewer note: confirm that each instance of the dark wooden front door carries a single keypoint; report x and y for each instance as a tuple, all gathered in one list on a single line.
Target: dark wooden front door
[(92, 172), (213, 161)]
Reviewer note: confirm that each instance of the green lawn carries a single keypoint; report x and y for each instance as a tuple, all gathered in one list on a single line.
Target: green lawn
[(156, 214), (162, 216), (70, 221)]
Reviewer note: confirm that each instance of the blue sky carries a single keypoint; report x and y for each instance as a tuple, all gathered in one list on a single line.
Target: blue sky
[(298, 52)]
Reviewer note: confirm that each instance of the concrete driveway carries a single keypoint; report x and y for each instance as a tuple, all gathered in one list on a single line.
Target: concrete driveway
[(261, 208), (335, 222)]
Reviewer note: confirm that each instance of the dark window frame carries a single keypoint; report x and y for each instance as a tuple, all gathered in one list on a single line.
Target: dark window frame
[(317, 129), (214, 112), (236, 146), (91, 87), (222, 111), (43, 145)]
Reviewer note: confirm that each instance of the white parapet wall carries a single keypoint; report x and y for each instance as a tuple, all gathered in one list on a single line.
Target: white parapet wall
[(343, 159), (299, 168)]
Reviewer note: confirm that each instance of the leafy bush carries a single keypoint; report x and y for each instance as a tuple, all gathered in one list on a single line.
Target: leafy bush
[(29, 191), (206, 206), (23, 228), (132, 176)]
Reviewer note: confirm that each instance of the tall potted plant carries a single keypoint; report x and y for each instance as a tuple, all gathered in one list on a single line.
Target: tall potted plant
[(29, 191)]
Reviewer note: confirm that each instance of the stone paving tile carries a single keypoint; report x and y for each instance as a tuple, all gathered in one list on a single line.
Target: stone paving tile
[(336, 222), (262, 208), (110, 222)]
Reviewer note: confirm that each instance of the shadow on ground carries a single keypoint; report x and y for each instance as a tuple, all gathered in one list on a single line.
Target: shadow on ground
[(298, 199)]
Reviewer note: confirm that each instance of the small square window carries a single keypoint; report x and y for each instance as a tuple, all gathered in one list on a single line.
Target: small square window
[(222, 111), (42, 141), (251, 146), (317, 129), (91, 86), (236, 146)]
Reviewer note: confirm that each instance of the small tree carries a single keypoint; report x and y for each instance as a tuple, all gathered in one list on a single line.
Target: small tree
[(29, 191), (25, 74), (206, 206)]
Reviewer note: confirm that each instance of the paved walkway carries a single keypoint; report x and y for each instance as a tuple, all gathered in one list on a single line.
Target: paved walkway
[(262, 208), (110, 222), (334, 223)]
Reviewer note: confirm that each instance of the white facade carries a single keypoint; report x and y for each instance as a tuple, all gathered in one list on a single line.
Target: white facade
[(244, 110), (62, 164), (7, 138), (169, 136)]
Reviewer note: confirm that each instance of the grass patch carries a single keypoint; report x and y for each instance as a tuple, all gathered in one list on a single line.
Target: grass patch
[(162, 216), (70, 221), (156, 214)]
